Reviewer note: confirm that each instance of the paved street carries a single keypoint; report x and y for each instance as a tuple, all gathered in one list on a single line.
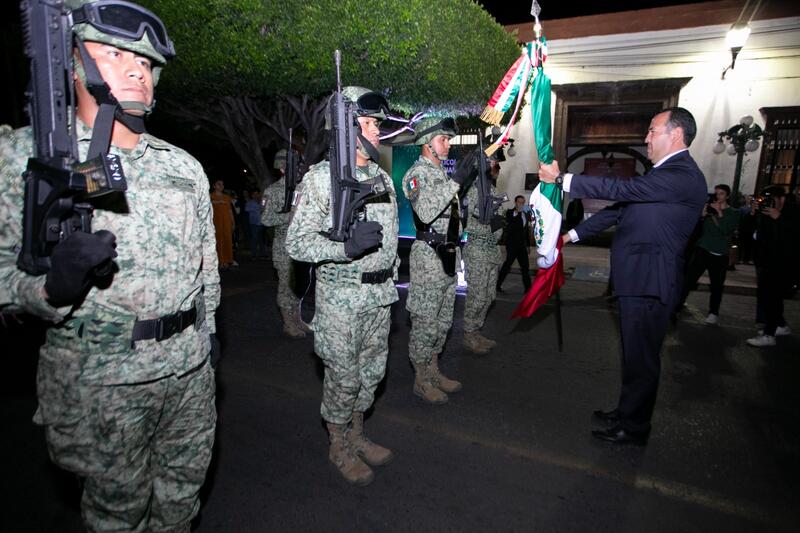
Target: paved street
[(511, 452)]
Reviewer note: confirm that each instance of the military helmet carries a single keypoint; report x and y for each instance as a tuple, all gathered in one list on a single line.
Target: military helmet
[(368, 103), (429, 127), (280, 159), (122, 24)]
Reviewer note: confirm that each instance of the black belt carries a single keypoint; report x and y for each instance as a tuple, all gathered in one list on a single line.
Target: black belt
[(164, 327), (378, 276), (430, 237)]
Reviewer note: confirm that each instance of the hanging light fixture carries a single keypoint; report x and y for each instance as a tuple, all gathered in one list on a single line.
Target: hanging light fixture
[(735, 40)]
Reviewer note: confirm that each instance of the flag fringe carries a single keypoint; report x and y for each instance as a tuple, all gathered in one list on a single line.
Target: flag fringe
[(492, 116)]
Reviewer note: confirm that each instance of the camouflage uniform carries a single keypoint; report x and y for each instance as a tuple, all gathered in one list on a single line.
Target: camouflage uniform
[(136, 421), (288, 303), (431, 292), (351, 322), (481, 259)]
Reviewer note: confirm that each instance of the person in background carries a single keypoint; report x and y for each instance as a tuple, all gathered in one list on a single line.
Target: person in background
[(273, 217), (254, 208), (518, 241), (777, 244), (711, 250), (224, 224)]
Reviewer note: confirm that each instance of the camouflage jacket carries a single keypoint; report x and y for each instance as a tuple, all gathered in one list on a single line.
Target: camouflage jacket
[(430, 192), (339, 286), (166, 258), (274, 197)]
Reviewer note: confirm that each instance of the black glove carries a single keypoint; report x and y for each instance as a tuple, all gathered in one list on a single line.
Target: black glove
[(76, 262), (216, 350), (466, 171), (363, 236)]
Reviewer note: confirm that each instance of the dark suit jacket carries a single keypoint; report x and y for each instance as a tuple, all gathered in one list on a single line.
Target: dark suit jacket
[(655, 215), (518, 230)]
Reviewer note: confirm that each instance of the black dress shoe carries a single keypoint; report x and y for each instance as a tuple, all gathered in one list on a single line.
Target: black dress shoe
[(607, 416), (617, 435)]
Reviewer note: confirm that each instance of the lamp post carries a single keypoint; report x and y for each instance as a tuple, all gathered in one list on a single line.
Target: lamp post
[(742, 137)]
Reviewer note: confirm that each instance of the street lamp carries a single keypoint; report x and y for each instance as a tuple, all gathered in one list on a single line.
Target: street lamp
[(743, 137)]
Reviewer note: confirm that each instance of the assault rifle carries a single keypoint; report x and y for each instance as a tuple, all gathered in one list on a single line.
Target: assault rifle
[(487, 203), (291, 176), (57, 185), (348, 195)]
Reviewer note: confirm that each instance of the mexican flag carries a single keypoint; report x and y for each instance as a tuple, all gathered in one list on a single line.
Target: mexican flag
[(546, 201)]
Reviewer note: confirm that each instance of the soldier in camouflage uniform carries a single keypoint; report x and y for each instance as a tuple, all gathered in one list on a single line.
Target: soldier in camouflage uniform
[(288, 303), (129, 411), (354, 293), (431, 291), (482, 258)]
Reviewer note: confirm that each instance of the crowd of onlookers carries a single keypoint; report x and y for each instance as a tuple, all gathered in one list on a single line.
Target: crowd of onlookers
[(764, 231)]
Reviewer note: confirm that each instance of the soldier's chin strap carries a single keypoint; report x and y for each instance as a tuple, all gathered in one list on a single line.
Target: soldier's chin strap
[(435, 153), (109, 107), (369, 148)]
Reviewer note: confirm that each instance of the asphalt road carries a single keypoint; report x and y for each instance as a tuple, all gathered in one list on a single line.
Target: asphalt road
[(511, 452)]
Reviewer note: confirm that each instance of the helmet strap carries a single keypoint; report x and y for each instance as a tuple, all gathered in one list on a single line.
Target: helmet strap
[(369, 148), (434, 152)]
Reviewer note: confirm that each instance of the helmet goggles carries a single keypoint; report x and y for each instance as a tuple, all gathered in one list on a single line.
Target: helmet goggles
[(372, 104), (127, 21)]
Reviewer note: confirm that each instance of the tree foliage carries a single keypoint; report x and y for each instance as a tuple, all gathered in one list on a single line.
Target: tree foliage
[(443, 55)]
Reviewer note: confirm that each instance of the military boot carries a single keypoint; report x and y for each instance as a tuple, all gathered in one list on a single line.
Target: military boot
[(290, 327), (473, 342), (440, 380), (353, 469), (370, 452), (425, 388)]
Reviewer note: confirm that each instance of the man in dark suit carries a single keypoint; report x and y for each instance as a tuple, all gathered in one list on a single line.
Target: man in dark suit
[(655, 215), (518, 238)]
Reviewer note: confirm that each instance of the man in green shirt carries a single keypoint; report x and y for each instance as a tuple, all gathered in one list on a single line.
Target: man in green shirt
[(711, 251)]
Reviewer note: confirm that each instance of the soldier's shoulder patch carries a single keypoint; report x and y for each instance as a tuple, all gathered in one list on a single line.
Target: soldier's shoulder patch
[(412, 189)]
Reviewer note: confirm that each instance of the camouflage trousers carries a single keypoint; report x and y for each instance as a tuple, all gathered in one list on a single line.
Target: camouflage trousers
[(431, 307), (287, 300), (481, 274), (354, 348), (142, 449)]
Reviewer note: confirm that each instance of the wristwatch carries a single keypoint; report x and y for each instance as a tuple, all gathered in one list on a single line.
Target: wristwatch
[(559, 179)]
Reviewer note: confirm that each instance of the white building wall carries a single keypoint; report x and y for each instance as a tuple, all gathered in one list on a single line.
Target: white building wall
[(767, 74)]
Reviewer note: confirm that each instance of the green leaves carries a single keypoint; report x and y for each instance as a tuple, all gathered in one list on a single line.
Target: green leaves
[(445, 55)]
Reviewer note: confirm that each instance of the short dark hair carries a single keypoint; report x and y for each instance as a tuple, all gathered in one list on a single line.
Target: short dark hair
[(518, 196), (681, 118), (725, 188)]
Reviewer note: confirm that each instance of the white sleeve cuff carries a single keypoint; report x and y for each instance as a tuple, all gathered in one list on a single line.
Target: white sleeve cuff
[(567, 181), (573, 235)]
